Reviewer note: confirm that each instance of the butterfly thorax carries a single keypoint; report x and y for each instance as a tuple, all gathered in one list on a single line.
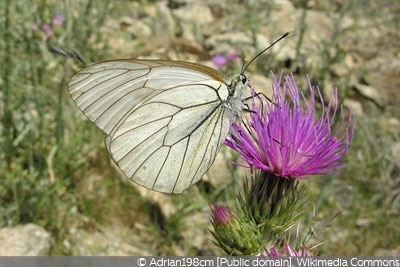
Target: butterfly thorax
[(234, 102)]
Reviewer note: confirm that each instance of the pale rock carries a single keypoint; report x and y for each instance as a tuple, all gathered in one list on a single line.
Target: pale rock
[(284, 52), (25, 240), (193, 19), (230, 41), (355, 106), (363, 222), (164, 201), (394, 122), (395, 149), (284, 5), (370, 93), (391, 252), (164, 23), (112, 240), (138, 29)]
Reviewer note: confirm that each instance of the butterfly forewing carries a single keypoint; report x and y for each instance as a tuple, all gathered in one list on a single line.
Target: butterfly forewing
[(165, 120)]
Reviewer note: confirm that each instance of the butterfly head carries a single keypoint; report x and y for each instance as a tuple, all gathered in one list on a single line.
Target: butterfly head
[(236, 86)]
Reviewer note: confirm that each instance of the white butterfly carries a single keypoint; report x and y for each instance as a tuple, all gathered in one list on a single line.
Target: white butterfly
[(165, 121)]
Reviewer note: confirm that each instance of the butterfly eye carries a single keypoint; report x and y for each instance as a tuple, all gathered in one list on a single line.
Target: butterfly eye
[(243, 78)]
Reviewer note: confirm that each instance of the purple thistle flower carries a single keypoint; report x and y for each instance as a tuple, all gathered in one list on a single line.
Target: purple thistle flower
[(233, 56), (58, 19), (47, 31), (219, 60), (287, 140)]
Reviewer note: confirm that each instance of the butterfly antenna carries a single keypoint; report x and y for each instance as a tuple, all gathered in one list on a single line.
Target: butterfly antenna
[(65, 53), (260, 53)]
